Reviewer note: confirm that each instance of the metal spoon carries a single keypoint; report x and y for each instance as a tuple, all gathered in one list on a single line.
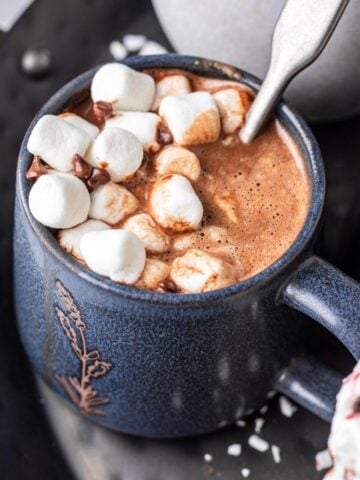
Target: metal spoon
[(301, 33)]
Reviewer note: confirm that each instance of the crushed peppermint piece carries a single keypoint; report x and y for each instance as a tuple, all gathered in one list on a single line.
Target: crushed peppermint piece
[(264, 409), (323, 460), (258, 443), (259, 423), (271, 394), (208, 457), (240, 423), (133, 42), (222, 424), (245, 472), (234, 449), (275, 450), (287, 408), (117, 50)]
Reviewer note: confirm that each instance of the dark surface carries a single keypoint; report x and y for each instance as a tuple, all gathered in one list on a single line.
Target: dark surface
[(78, 34)]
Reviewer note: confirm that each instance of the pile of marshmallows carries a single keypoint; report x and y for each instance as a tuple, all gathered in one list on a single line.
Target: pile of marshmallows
[(78, 171)]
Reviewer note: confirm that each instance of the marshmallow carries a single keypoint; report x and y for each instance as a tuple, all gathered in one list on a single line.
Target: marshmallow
[(193, 118), (183, 241), (117, 254), (123, 87), (210, 235), (146, 229), (197, 271), (111, 203), (178, 160), (77, 121), (117, 50), (154, 273), (60, 200), (133, 42), (118, 151), (233, 105), (56, 142), (175, 205), (70, 238), (143, 125), (170, 85), (152, 48)]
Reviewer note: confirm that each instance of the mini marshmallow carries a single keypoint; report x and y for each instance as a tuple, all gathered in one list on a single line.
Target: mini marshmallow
[(60, 200), (183, 241), (193, 118), (209, 235), (233, 105), (56, 142), (197, 271), (148, 231), (118, 151), (117, 254), (123, 87), (154, 273), (79, 122), (175, 205), (143, 125), (111, 203), (133, 42), (178, 160), (170, 85), (117, 50), (70, 238), (152, 48)]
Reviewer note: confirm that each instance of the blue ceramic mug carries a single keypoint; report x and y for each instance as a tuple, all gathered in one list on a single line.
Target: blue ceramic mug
[(170, 365)]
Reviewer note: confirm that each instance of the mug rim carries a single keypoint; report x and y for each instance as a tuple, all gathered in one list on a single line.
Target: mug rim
[(289, 118)]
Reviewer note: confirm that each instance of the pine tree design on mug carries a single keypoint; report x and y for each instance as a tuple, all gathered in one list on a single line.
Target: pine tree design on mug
[(79, 388)]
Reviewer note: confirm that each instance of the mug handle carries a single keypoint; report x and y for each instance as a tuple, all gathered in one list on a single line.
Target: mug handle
[(324, 293)]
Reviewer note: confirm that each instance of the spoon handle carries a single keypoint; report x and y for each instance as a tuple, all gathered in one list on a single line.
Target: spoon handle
[(301, 32)]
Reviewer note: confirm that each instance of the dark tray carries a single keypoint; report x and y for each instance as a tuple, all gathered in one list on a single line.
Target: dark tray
[(78, 34)]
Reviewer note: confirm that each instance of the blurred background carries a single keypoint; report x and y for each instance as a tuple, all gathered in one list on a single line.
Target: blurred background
[(45, 43)]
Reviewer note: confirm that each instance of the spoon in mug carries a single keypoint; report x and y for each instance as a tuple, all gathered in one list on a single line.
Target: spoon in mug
[(301, 33)]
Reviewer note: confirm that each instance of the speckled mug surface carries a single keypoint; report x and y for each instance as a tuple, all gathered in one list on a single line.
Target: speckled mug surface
[(172, 365)]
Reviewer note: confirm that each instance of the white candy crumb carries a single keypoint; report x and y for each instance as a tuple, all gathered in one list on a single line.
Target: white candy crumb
[(271, 394), (258, 443), (222, 424), (133, 42), (275, 450), (234, 449), (323, 460), (245, 472), (264, 409), (208, 457), (240, 423), (259, 423), (152, 48), (117, 50), (287, 408)]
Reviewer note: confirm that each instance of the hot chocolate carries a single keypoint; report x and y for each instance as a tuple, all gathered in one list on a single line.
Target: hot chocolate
[(190, 207)]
